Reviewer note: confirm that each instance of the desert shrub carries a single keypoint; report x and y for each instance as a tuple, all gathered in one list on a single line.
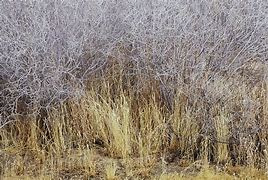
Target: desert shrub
[(49, 49)]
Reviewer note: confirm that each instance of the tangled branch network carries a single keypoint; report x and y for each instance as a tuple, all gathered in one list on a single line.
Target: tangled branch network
[(49, 48)]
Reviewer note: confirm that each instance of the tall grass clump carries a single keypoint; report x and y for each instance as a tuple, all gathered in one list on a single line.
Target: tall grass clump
[(156, 81)]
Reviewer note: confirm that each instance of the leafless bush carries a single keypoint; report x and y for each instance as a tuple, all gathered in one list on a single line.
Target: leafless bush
[(48, 49)]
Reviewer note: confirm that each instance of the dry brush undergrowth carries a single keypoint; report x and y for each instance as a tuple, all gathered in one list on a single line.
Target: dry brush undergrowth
[(146, 89), (114, 132)]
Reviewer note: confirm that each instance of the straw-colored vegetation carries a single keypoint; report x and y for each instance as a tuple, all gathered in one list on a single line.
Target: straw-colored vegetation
[(134, 89), (113, 133)]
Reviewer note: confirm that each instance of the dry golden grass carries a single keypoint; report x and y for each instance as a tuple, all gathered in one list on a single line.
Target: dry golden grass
[(118, 132)]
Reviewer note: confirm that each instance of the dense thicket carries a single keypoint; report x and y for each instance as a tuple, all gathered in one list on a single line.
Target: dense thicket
[(49, 49)]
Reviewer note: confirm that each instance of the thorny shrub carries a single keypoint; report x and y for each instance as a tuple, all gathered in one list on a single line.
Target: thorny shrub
[(49, 49)]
